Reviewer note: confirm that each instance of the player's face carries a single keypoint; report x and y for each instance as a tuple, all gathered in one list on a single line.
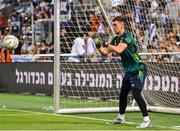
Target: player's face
[(118, 27)]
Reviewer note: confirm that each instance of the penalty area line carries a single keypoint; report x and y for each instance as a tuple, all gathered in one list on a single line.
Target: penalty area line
[(80, 117)]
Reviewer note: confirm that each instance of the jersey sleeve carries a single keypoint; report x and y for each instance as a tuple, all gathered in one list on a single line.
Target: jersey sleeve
[(131, 43), (127, 39)]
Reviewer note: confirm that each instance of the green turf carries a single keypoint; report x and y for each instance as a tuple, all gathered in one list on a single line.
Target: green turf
[(20, 121), (35, 118), (158, 119), (36, 103), (25, 102)]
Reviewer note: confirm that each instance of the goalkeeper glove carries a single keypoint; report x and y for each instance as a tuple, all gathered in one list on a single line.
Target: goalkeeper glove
[(98, 42), (105, 43)]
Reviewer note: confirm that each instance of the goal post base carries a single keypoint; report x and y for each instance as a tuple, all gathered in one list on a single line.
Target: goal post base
[(95, 110), (116, 109), (164, 110)]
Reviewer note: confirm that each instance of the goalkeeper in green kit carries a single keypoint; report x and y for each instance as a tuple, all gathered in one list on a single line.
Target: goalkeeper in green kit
[(135, 70)]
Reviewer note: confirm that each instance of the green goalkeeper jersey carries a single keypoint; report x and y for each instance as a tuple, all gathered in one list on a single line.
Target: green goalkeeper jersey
[(130, 58)]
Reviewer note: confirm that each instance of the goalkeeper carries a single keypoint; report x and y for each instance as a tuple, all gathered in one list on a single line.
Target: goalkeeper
[(135, 70)]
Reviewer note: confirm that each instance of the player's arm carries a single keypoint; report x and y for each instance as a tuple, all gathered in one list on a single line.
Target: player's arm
[(117, 49), (104, 50)]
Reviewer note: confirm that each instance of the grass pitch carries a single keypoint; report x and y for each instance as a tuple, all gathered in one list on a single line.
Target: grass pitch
[(22, 116)]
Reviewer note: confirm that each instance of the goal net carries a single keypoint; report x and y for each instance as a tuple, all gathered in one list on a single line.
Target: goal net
[(93, 85)]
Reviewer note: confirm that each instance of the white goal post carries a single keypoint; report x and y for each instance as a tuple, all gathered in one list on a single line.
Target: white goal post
[(94, 87)]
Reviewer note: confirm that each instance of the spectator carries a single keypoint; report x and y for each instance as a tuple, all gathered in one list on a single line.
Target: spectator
[(178, 22), (164, 57), (43, 4), (153, 34), (15, 17), (137, 11), (151, 49), (18, 49), (172, 45), (91, 48), (63, 42), (177, 2), (5, 55), (171, 34), (43, 47), (94, 22), (15, 29), (176, 57), (162, 4), (154, 9), (7, 31), (78, 49), (142, 40), (117, 3), (3, 23), (115, 12), (101, 29), (51, 48), (11, 2), (27, 48), (119, 6), (164, 15)]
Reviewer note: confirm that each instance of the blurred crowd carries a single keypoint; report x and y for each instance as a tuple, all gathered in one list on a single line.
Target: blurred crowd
[(154, 23), (19, 23)]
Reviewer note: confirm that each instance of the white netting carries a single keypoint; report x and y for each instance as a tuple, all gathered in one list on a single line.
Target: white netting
[(155, 25), (91, 85)]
